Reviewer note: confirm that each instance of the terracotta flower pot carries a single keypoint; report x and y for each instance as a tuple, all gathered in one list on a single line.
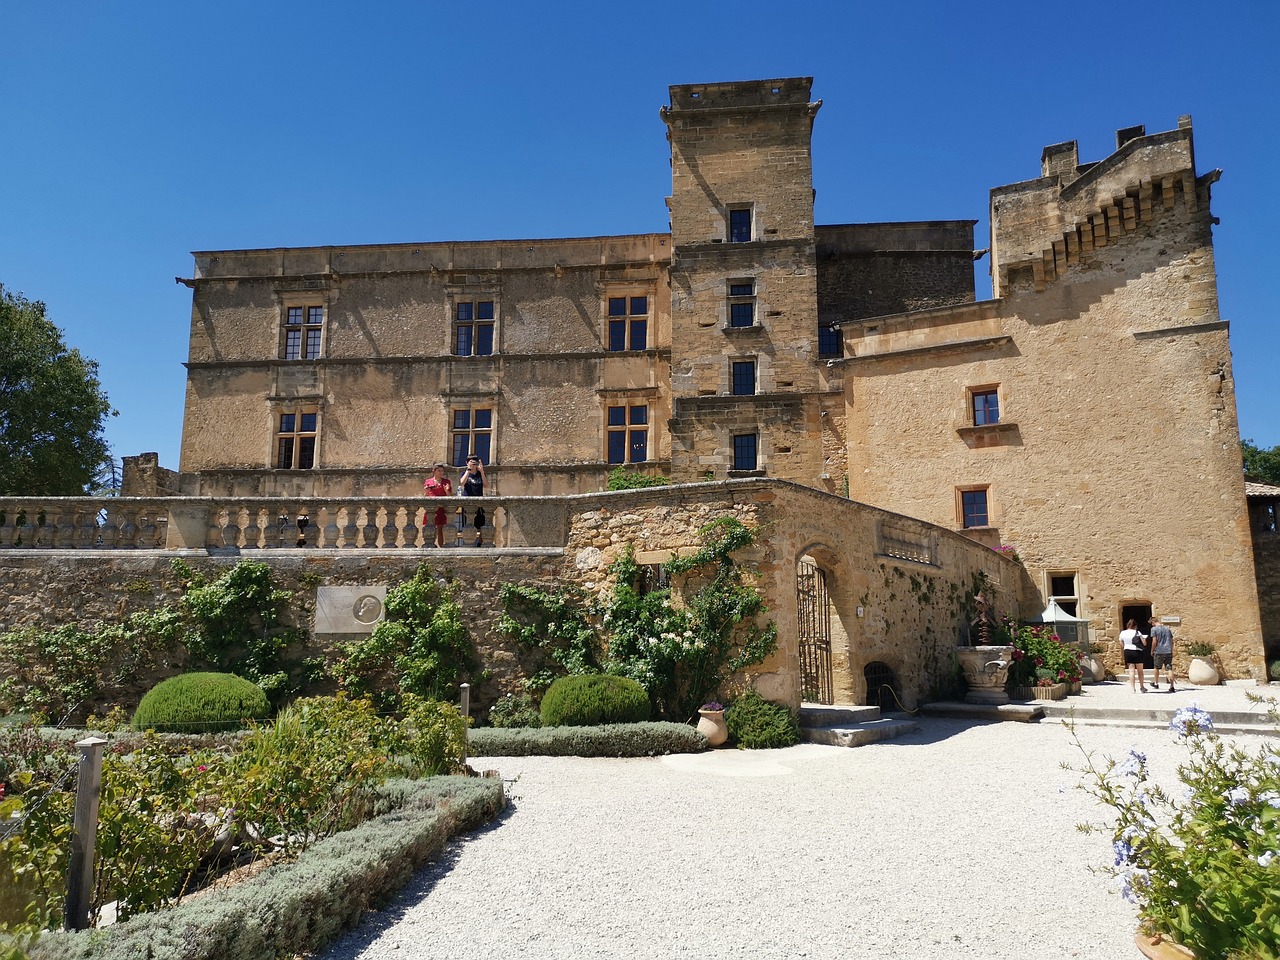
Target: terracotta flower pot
[(712, 726)]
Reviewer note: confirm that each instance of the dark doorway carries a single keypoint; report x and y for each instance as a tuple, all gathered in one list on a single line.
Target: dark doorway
[(882, 688), (1139, 613), (814, 611)]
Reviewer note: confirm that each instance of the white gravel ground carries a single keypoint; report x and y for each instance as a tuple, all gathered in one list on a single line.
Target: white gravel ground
[(957, 841)]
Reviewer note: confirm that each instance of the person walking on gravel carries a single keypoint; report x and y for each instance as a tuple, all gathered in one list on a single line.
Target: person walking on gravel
[(1135, 654), (1161, 652)]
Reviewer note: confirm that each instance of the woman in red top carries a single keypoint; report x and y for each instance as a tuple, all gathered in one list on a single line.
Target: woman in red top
[(438, 485)]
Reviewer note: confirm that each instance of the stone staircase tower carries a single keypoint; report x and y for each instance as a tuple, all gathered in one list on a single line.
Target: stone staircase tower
[(745, 383)]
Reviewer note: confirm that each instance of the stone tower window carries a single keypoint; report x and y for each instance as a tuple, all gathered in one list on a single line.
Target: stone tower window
[(742, 303), (984, 406), (302, 329), (628, 323), (1064, 592), (830, 343), (296, 439), (974, 509), (740, 224), (627, 433), (472, 433), (473, 328), (743, 378), (745, 453)]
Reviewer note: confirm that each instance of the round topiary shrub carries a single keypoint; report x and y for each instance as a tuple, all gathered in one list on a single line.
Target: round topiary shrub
[(201, 703), (588, 700), (755, 723)]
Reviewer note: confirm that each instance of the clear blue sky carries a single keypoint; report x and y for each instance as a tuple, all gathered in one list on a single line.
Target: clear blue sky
[(136, 133)]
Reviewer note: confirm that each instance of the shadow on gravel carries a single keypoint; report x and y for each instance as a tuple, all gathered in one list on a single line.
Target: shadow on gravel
[(934, 729), (378, 919)]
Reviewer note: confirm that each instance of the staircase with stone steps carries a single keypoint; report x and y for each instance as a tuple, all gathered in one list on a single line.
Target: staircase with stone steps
[(841, 725)]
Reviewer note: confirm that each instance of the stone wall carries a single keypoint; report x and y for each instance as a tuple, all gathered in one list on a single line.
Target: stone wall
[(1266, 559)]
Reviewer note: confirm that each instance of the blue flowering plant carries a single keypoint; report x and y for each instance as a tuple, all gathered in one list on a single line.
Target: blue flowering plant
[(1202, 863)]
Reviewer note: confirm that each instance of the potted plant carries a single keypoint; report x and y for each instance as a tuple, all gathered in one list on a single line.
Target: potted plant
[(1201, 670), (711, 723), (1090, 666)]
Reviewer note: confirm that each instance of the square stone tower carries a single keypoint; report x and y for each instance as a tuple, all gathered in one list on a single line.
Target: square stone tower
[(745, 383)]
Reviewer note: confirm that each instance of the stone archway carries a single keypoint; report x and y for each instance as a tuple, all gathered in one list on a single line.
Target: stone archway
[(823, 645)]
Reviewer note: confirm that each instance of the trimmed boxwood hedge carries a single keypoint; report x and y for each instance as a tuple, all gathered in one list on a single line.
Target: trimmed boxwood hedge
[(590, 699), (296, 908), (650, 739), (200, 703)]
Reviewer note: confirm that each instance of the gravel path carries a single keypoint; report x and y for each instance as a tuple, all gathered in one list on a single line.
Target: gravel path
[(957, 841)]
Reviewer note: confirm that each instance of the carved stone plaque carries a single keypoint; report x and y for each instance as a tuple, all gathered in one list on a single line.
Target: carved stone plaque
[(349, 609)]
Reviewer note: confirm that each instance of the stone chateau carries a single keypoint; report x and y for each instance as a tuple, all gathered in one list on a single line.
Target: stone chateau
[(1084, 418)]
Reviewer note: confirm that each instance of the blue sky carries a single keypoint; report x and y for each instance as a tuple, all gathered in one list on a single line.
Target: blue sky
[(136, 133)]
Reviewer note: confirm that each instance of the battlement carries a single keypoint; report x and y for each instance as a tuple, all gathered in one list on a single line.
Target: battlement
[(742, 93)]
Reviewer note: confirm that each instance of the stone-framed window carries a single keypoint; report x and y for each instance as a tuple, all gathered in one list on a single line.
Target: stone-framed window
[(627, 321), (302, 331), (626, 432), (830, 343), (746, 451), (742, 303), (984, 405), (973, 507), (1264, 514), (742, 377), (1064, 590), (741, 223), (471, 431), (473, 328), (295, 438)]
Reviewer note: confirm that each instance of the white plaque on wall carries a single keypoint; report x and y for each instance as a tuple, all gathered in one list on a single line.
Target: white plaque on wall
[(349, 609)]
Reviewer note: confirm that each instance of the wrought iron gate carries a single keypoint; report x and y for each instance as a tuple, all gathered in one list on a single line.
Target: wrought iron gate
[(814, 612)]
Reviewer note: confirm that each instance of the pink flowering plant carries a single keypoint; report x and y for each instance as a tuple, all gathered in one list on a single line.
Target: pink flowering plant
[(1202, 863), (1040, 657)]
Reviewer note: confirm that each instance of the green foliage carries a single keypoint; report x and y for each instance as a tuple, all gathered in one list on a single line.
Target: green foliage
[(1261, 464), (52, 407), (588, 700), (200, 702), (422, 648), (513, 711), (1200, 648), (1040, 657), (1274, 670), (651, 739), (554, 622), (621, 478), (754, 723), (299, 907), (431, 739), (1201, 863)]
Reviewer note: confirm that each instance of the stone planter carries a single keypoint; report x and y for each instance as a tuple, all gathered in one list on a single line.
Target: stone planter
[(1058, 691), (985, 669), (1092, 669), (1202, 672), (712, 726)]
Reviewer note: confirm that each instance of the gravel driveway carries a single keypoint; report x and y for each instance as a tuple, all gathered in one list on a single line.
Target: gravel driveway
[(956, 841)]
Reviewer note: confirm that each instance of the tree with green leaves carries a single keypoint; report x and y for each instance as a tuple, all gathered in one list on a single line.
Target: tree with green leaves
[(1261, 464), (52, 407)]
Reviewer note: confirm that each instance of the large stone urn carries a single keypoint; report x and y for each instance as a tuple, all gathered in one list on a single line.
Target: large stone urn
[(985, 668), (712, 726), (1202, 672)]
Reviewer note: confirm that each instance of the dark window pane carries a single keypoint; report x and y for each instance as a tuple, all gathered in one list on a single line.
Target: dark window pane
[(617, 306), (739, 226), (639, 306), (293, 344), (313, 344), (295, 316), (484, 310), (287, 420), (742, 314), (306, 453), (639, 446), (617, 335), (461, 445), (986, 408), (315, 315), (744, 451), (483, 446), (1062, 586), (829, 342), (462, 340), (744, 377), (742, 289), (484, 419), (639, 415), (462, 419), (284, 459), (484, 339), (617, 446), (308, 423), (464, 312), (975, 508), (617, 416), (639, 334)]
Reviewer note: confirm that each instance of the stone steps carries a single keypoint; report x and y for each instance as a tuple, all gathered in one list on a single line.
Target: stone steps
[(841, 725)]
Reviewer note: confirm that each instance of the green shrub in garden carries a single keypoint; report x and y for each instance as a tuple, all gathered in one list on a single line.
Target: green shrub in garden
[(652, 739), (589, 699), (755, 723), (1040, 658), (431, 739), (1202, 863), (200, 703), (513, 711)]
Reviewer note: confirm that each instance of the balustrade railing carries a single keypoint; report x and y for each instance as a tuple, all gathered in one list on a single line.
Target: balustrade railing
[(128, 523)]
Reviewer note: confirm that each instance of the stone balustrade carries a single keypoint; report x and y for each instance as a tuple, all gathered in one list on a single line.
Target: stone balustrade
[(177, 523)]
